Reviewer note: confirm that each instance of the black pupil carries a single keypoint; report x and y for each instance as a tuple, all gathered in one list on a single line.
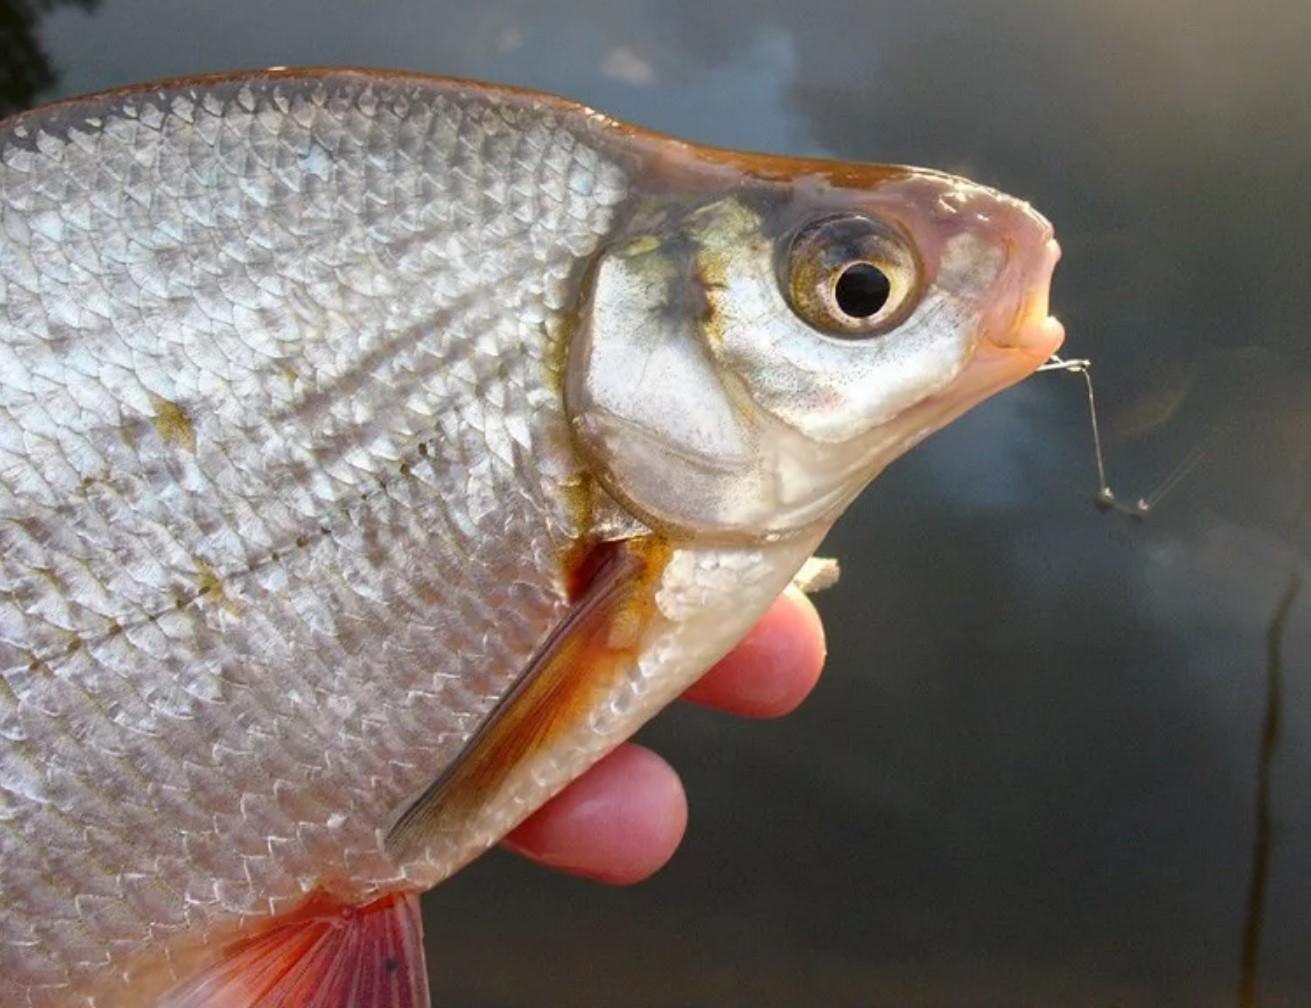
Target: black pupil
[(862, 290)]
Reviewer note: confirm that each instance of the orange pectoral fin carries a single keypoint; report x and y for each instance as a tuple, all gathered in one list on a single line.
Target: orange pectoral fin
[(554, 691), (325, 956)]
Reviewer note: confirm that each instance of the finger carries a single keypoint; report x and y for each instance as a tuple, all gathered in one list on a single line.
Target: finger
[(775, 666), (618, 823)]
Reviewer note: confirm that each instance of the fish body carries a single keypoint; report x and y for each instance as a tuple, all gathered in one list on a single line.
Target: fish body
[(377, 452)]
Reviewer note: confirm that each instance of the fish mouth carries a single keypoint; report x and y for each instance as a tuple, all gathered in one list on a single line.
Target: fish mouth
[(1030, 329), (1016, 340)]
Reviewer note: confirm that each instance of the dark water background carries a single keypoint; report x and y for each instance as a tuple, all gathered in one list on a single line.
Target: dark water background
[(1031, 774)]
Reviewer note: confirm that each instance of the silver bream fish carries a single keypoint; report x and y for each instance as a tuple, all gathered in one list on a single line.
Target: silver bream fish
[(377, 452)]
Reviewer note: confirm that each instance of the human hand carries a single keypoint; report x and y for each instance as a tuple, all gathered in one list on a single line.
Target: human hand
[(624, 818)]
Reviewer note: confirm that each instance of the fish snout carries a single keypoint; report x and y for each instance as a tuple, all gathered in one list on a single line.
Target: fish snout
[(1019, 319)]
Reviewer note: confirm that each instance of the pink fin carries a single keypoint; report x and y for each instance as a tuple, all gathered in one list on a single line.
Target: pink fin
[(325, 956)]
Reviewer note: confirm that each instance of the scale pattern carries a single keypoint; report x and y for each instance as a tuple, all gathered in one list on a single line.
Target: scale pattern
[(281, 458)]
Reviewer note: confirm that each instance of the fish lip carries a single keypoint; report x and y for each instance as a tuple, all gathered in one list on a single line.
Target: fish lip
[(1014, 311), (1025, 324)]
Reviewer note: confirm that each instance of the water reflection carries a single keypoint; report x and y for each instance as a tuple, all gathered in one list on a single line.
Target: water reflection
[(1262, 840), (25, 72), (1030, 776)]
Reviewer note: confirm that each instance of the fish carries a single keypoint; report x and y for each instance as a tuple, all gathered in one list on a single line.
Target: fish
[(380, 450)]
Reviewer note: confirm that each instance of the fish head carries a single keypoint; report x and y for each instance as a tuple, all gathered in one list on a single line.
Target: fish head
[(747, 359)]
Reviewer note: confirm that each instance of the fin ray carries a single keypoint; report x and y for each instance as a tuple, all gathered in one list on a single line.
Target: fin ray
[(326, 957), (548, 695)]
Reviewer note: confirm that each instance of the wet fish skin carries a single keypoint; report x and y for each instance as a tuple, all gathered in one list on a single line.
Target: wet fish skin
[(288, 480), (355, 627)]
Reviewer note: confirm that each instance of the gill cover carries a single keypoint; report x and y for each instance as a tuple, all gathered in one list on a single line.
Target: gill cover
[(717, 386)]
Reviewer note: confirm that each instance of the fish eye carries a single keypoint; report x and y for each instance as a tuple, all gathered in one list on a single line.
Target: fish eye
[(862, 289), (850, 276)]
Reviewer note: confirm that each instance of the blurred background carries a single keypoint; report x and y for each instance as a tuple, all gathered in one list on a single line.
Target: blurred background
[(1060, 756)]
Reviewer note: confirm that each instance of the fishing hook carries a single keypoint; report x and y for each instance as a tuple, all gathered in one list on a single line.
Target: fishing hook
[(1105, 499)]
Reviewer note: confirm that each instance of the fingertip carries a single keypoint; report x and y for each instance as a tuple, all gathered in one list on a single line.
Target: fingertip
[(619, 823), (774, 668), (807, 620)]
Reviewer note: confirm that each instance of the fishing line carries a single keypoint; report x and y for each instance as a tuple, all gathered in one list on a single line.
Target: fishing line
[(1176, 476), (1105, 500)]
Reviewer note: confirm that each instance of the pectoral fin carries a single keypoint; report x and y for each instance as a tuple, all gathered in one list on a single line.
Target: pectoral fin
[(552, 693), (324, 956)]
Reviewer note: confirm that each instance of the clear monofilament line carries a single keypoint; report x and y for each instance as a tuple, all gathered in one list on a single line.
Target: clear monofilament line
[(1105, 498), (1102, 486), (1173, 478), (1082, 366)]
